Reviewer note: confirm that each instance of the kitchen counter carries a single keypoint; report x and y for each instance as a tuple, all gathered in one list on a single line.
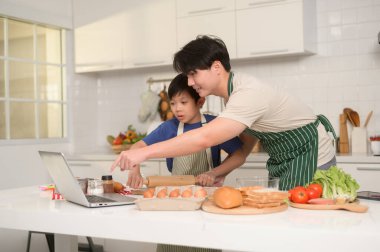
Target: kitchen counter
[(254, 157), (292, 230)]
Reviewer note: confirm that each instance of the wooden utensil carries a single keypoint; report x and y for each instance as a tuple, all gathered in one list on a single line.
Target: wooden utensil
[(368, 118), (175, 180), (355, 118), (353, 207), (347, 112), (343, 139), (209, 206)]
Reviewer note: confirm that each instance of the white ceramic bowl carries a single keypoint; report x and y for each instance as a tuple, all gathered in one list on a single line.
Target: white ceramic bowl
[(375, 147)]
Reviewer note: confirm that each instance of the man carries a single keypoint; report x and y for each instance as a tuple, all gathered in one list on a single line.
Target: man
[(294, 137)]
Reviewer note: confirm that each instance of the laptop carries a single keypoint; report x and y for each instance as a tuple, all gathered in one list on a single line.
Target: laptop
[(69, 187)]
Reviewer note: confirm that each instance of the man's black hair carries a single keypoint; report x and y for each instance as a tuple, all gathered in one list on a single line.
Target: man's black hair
[(200, 54), (179, 85)]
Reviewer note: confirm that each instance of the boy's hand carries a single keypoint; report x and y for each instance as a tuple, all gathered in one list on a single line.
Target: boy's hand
[(135, 180), (206, 179)]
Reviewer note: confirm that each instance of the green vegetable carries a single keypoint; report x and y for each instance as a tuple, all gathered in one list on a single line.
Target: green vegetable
[(336, 184)]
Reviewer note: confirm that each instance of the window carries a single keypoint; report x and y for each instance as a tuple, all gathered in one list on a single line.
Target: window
[(32, 85)]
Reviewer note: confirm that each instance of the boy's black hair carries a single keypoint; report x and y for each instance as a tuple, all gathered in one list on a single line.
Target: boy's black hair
[(200, 54), (179, 85)]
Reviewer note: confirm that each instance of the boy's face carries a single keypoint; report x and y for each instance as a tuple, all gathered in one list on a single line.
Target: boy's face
[(185, 108)]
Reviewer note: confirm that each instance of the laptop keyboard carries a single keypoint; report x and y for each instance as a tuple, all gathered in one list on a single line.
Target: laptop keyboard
[(97, 199)]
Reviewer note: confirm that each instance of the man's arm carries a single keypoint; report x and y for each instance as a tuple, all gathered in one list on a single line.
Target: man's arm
[(231, 162), (215, 132)]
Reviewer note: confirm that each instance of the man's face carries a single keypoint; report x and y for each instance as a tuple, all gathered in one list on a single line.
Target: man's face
[(203, 81)]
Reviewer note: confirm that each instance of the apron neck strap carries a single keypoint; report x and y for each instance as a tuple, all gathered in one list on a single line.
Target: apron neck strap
[(180, 130), (230, 84)]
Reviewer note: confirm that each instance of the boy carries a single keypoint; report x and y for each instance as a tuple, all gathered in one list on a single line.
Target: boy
[(186, 104)]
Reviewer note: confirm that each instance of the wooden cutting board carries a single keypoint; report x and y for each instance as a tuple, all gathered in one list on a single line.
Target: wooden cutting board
[(209, 206), (353, 207)]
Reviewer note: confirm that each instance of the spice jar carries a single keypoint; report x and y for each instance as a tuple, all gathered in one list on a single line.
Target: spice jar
[(95, 186), (107, 184)]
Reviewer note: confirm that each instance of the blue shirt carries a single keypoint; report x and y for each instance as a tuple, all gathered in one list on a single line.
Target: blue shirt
[(168, 130)]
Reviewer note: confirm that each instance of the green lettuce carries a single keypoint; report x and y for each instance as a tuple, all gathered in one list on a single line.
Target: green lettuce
[(336, 184)]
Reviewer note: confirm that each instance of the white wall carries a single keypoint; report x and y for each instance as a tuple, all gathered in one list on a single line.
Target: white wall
[(344, 73)]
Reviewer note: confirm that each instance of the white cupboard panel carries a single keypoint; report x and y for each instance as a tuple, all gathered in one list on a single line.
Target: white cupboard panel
[(245, 4), (99, 45), (200, 7), (221, 25), (150, 31), (281, 32)]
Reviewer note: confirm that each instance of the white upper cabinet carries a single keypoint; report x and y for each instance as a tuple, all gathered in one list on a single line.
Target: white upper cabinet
[(206, 18), (135, 33), (200, 7), (275, 27), (150, 30), (99, 45), (140, 34)]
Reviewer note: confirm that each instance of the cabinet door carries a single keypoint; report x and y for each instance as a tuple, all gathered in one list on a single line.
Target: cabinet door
[(150, 168), (221, 25), (199, 7), (249, 169), (367, 175), (150, 30), (98, 45), (95, 169), (270, 30), (245, 4)]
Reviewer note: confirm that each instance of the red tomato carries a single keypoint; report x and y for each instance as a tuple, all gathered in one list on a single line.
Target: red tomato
[(299, 195), (317, 187), (312, 193), (290, 192)]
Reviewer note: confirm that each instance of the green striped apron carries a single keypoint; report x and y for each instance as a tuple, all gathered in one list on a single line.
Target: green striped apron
[(293, 154), (193, 164)]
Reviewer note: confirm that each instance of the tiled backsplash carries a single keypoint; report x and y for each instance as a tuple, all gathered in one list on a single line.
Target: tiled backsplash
[(344, 73)]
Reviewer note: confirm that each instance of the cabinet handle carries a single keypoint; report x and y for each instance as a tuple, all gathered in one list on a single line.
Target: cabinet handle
[(79, 164), (367, 169), (148, 63), (204, 10), (269, 52), (264, 2)]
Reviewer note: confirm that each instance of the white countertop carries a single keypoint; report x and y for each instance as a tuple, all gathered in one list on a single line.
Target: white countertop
[(292, 230), (254, 157)]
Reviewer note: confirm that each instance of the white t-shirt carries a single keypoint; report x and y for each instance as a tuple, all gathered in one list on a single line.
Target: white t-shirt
[(266, 109)]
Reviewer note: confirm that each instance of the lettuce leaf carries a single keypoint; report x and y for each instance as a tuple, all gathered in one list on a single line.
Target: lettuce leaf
[(336, 184)]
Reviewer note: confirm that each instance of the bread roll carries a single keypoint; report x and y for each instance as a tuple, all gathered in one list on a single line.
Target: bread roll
[(227, 197)]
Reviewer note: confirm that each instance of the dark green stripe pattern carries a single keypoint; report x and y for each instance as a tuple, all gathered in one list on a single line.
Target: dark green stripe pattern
[(292, 154), (171, 248)]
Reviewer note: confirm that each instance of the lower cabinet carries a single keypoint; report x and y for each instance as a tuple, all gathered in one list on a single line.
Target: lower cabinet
[(366, 174), (249, 169)]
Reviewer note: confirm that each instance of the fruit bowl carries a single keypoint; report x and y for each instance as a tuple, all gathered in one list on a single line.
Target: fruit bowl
[(117, 149)]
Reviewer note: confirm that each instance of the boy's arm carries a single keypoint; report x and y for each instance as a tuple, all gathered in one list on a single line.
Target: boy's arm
[(231, 162)]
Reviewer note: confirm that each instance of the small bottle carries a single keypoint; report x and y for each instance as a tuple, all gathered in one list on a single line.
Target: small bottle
[(95, 186), (107, 183)]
